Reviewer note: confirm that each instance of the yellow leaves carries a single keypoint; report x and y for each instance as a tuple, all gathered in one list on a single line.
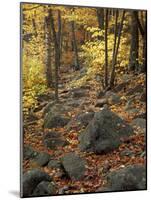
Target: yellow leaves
[(34, 82), (92, 29)]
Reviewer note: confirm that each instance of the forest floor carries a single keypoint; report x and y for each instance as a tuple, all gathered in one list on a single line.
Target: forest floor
[(94, 178)]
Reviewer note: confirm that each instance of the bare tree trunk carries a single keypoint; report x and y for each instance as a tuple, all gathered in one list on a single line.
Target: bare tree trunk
[(48, 52), (100, 16), (57, 56), (114, 48), (77, 66), (116, 51), (59, 35), (106, 50), (133, 61), (143, 30)]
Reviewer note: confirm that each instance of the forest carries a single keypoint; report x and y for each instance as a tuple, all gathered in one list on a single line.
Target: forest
[(83, 99)]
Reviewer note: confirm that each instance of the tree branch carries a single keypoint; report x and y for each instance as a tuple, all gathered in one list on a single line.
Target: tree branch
[(139, 25)]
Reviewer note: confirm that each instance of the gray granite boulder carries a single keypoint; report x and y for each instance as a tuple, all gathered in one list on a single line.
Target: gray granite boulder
[(104, 133), (44, 188), (74, 166), (31, 179), (132, 177), (52, 140)]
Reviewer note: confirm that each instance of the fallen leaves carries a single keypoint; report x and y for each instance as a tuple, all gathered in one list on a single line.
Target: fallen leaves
[(98, 166)]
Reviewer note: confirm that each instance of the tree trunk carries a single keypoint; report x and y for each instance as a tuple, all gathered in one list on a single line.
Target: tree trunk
[(48, 52), (133, 61), (59, 35), (143, 30), (116, 51), (57, 56), (100, 16), (106, 50), (144, 67), (77, 66)]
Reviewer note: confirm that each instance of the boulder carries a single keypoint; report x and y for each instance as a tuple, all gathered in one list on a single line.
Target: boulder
[(28, 152), (44, 188), (31, 179), (49, 106), (54, 164), (80, 120), (104, 133), (53, 120), (85, 118), (41, 159), (74, 166), (132, 177), (52, 140), (55, 108), (112, 98)]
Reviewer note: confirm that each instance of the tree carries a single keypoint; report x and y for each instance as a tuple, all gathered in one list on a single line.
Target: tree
[(100, 16), (57, 53), (59, 35), (76, 57), (133, 61), (96, 35), (116, 50), (144, 67), (48, 52), (106, 50)]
